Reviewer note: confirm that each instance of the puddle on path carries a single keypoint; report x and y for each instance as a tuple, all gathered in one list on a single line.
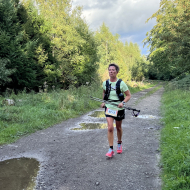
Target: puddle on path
[(98, 114), (18, 174), (147, 117), (86, 126)]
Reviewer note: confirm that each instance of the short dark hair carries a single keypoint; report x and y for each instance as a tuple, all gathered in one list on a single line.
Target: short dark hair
[(115, 65)]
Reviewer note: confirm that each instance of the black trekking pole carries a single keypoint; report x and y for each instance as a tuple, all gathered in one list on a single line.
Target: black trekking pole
[(107, 102)]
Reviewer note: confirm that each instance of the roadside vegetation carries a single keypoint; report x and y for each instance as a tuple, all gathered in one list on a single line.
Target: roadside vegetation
[(48, 53), (36, 111), (175, 135), (168, 40), (49, 42)]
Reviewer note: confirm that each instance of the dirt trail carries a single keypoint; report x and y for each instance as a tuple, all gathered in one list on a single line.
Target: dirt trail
[(75, 160)]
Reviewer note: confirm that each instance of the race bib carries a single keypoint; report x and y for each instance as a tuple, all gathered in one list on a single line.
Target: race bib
[(111, 112)]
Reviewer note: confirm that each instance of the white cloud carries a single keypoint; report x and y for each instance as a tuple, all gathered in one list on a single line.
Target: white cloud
[(125, 17)]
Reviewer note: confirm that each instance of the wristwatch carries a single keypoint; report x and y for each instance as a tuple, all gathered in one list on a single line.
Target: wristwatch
[(123, 103)]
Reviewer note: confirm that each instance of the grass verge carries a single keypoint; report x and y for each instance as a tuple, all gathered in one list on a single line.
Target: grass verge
[(33, 112), (175, 140)]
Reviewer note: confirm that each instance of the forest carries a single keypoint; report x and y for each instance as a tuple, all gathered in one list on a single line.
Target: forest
[(47, 43)]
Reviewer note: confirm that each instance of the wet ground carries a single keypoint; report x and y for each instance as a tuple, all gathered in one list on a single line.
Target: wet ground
[(71, 155), (18, 173)]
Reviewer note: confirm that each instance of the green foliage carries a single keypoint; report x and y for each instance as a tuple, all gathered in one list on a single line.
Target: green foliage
[(20, 42), (33, 112), (139, 69), (47, 42), (4, 72), (175, 140), (169, 39), (86, 68), (36, 30), (73, 44), (127, 56), (181, 82), (11, 41)]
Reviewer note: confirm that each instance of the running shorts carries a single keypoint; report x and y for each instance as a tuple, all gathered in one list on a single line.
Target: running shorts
[(120, 115)]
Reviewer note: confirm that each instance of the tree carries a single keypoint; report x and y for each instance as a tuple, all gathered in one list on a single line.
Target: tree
[(73, 44), (127, 56), (4, 72), (107, 49), (169, 39), (86, 68), (12, 43)]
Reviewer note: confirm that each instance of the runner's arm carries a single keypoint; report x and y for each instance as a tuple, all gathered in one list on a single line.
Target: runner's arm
[(103, 104), (127, 98)]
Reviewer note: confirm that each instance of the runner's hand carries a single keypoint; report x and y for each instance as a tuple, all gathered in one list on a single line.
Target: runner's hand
[(103, 105), (120, 105)]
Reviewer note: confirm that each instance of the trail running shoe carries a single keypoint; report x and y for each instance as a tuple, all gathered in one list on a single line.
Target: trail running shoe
[(110, 153), (119, 148)]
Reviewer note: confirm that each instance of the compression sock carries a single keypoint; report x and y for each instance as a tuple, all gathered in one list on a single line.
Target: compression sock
[(119, 142)]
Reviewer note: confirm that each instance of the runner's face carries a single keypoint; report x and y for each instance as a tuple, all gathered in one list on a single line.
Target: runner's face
[(112, 71)]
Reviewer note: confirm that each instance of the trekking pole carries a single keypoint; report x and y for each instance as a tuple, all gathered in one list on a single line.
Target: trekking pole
[(107, 102)]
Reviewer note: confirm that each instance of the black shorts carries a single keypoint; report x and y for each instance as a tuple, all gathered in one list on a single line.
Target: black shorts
[(120, 115)]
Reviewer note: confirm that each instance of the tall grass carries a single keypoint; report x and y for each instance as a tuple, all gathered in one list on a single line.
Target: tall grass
[(33, 112), (175, 140), (180, 83)]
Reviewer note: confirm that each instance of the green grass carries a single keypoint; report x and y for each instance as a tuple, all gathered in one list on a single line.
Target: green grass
[(33, 112), (180, 83), (175, 140)]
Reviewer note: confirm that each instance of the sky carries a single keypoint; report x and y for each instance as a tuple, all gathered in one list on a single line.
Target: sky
[(124, 17)]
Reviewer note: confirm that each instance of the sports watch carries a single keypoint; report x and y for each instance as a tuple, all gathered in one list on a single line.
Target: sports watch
[(123, 102)]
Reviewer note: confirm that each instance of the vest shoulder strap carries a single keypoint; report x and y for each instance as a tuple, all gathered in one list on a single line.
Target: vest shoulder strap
[(107, 86), (108, 89), (107, 82), (118, 90)]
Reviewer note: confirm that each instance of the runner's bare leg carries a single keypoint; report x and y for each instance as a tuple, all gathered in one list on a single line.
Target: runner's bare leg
[(110, 121), (119, 130)]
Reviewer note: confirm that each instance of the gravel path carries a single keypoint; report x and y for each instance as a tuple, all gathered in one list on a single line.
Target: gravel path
[(75, 160)]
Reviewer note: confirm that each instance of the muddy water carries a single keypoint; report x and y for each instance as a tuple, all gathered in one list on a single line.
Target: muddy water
[(18, 174), (89, 126), (98, 114), (86, 126)]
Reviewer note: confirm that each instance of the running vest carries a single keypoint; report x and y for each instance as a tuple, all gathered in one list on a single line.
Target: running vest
[(118, 91)]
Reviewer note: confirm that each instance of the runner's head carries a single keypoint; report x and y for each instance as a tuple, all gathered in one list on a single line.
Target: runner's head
[(116, 66)]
